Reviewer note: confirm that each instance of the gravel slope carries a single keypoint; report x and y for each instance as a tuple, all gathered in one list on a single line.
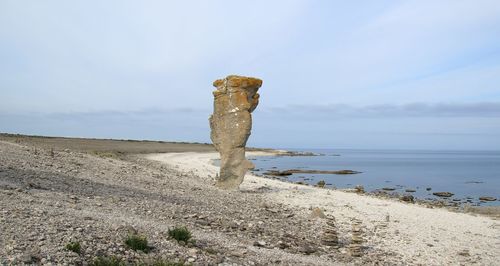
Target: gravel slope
[(49, 198)]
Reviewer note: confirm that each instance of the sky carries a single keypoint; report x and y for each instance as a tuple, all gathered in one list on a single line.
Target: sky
[(337, 74)]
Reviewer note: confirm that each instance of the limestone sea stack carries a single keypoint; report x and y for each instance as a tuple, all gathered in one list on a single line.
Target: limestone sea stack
[(234, 100)]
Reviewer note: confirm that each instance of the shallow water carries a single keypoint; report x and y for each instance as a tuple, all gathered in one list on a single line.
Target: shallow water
[(465, 173)]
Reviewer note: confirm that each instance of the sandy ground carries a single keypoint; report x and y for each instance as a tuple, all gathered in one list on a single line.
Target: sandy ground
[(411, 233)]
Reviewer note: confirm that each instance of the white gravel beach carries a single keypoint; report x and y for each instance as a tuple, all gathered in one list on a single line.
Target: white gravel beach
[(414, 234)]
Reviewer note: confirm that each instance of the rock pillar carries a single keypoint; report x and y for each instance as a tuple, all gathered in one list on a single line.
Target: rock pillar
[(234, 100)]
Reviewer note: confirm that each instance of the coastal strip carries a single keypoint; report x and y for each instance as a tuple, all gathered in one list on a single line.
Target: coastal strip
[(414, 233)]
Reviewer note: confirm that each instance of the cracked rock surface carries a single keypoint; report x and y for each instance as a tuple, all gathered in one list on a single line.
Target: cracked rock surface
[(234, 100)]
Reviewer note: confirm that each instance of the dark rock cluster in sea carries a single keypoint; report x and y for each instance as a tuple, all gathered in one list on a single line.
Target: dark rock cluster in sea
[(441, 199)]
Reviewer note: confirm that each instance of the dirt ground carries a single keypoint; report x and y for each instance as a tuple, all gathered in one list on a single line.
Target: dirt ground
[(107, 145)]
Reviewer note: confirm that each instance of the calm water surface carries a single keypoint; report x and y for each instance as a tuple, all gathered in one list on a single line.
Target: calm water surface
[(465, 173)]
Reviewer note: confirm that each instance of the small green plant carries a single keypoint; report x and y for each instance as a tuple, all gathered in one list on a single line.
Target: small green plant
[(107, 261), (74, 246), (180, 233), (137, 242), (321, 183)]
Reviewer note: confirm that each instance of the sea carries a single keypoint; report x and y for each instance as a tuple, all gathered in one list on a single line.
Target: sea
[(467, 174)]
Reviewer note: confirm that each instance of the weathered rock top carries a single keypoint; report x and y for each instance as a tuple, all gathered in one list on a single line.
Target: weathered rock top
[(238, 82)]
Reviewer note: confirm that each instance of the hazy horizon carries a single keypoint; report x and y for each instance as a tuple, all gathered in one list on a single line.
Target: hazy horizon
[(372, 75)]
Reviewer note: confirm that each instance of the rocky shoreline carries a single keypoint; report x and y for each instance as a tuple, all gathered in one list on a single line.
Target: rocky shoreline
[(440, 199), (396, 227), (52, 197)]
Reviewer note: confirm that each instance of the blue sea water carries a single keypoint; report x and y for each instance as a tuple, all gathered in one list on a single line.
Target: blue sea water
[(465, 173)]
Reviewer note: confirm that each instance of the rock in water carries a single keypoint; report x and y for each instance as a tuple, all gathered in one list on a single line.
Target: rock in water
[(487, 198), (443, 194), (234, 100)]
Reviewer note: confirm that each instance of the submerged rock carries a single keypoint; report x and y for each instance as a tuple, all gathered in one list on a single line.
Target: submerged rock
[(443, 194), (304, 171), (487, 198), (234, 100)]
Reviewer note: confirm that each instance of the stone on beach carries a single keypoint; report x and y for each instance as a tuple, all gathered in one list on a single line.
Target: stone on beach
[(356, 248), (330, 233), (234, 100), (317, 213)]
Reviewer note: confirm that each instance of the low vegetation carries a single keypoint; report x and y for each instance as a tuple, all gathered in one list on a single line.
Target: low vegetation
[(106, 154), (74, 246), (137, 242), (180, 234)]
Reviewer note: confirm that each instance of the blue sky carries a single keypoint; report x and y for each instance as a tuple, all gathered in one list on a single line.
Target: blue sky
[(337, 74)]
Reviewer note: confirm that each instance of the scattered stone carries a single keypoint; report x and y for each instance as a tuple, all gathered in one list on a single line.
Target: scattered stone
[(359, 189), (130, 230), (282, 245), (408, 198), (464, 252), (278, 173), (388, 188), (355, 248), (428, 189), (307, 249), (443, 194), (234, 100), (330, 237), (259, 243), (486, 198), (410, 190), (317, 213)]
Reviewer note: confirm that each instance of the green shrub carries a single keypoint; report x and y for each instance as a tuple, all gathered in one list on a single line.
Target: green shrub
[(321, 183), (180, 234), (74, 246), (137, 242), (107, 261)]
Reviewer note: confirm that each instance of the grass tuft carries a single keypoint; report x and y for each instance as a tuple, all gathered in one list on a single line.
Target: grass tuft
[(180, 234), (137, 242), (74, 246)]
